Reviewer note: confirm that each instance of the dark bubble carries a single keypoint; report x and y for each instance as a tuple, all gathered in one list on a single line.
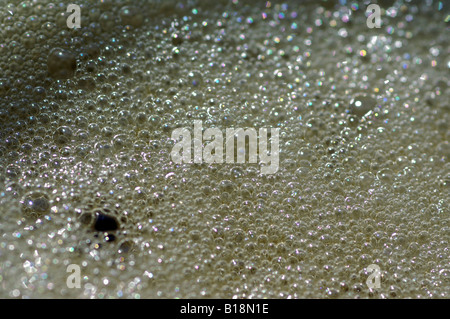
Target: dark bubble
[(105, 223), (131, 16), (109, 237), (61, 64), (125, 246)]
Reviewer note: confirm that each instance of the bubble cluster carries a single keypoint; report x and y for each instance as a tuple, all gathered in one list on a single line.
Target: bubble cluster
[(86, 175)]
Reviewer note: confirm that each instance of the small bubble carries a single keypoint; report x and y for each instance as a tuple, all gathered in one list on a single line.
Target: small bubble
[(195, 78)]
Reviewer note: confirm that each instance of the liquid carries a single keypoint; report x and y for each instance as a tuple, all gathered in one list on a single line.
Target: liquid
[(87, 178)]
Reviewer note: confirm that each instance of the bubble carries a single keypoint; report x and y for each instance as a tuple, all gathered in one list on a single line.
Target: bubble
[(28, 39), (120, 141), (86, 219), (130, 15), (360, 105), (26, 148), (62, 135), (226, 185), (12, 143), (13, 171), (108, 237), (176, 51), (39, 93), (107, 21), (176, 39), (104, 222), (125, 247), (385, 175), (195, 78), (35, 204), (61, 64)]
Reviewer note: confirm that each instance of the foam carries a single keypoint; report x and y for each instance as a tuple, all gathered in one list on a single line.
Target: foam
[(355, 186)]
